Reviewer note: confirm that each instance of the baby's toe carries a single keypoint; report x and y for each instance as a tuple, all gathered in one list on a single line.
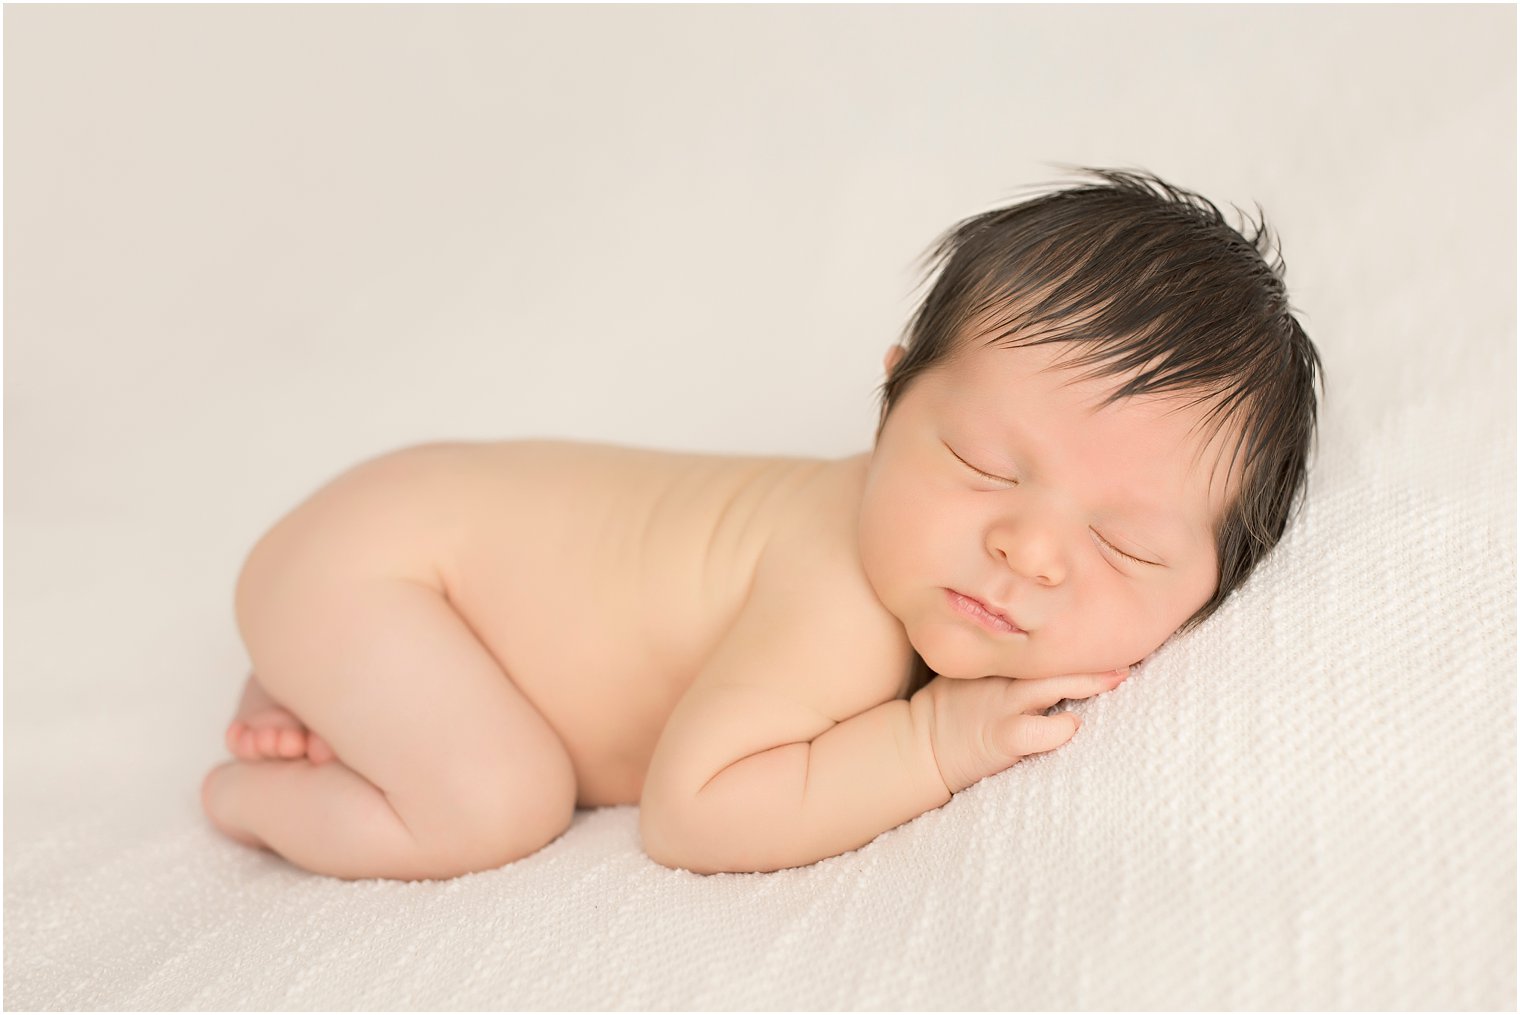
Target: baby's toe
[(292, 744), (268, 741), (237, 740), (318, 750), (247, 748)]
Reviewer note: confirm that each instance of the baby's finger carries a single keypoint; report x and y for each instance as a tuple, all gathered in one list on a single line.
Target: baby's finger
[(1034, 734), (1038, 695)]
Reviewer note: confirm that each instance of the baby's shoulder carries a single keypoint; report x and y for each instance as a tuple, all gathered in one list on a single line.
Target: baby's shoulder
[(818, 529), (810, 590)]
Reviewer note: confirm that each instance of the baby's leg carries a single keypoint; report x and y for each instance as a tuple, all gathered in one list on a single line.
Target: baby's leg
[(443, 767)]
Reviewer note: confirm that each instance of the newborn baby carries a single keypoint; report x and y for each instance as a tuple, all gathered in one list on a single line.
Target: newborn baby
[(1096, 427)]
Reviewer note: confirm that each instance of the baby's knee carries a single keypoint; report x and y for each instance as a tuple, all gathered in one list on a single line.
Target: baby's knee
[(217, 806), (487, 820)]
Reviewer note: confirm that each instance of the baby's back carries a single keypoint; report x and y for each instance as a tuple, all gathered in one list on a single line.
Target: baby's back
[(600, 577)]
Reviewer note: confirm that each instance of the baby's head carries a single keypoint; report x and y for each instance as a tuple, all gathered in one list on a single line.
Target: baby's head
[(1098, 424)]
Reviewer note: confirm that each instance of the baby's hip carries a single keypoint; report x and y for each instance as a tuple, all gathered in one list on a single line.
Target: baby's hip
[(386, 517)]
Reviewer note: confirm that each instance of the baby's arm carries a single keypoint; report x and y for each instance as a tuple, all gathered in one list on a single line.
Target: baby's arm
[(792, 803), (789, 746)]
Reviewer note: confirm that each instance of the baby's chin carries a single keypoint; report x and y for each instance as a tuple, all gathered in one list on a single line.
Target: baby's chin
[(1025, 674), (955, 653), (1019, 675), (954, 665), (961, 666)]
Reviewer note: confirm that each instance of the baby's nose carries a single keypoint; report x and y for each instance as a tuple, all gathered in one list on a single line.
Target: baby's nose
[(1038, 561), (1032, 554)]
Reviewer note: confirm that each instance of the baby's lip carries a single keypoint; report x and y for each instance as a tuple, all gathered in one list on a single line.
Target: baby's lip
[(993, 609)]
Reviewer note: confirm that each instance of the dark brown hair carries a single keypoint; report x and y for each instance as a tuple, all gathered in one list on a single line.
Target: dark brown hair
[(1139, 276)]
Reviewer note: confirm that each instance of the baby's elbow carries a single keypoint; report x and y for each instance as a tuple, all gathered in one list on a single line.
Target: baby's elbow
[(684, 837), (710, 851), (741, 819), (670, 841)]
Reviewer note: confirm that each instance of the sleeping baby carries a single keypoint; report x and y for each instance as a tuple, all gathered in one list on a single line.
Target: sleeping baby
[(1096, 426)]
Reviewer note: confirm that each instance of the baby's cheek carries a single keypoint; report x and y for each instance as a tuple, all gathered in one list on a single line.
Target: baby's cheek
[(1125, 630), (1147, 633)]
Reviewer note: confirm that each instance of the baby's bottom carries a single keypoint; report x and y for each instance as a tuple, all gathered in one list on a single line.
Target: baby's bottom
[(443, 767)]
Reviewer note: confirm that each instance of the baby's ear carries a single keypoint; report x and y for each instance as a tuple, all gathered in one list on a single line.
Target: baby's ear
[(894, 354)]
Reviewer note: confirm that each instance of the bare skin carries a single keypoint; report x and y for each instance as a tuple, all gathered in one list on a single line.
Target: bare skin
[(456, 645), (536, 607), (265, 730)]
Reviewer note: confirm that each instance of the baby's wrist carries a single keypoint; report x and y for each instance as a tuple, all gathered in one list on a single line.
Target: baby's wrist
[(922, 711)]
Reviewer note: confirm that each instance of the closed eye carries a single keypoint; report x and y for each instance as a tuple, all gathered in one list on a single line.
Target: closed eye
[(1131, 556), (1014, 482), (979, 472)]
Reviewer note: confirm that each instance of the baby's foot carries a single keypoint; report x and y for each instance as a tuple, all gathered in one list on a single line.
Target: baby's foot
[(264, 729)]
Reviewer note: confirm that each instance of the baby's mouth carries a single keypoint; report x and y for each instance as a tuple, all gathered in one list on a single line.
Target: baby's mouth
[(989, 617)]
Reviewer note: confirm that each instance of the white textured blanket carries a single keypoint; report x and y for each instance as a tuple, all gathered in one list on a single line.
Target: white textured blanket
[(248, 246)]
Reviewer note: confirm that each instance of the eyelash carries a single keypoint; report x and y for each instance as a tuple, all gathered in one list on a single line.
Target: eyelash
[(986, 475), (1120, 552), (979, 472), (1000, 479)]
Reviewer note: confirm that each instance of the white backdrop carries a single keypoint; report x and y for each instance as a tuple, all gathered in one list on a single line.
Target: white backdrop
[(247, 246)]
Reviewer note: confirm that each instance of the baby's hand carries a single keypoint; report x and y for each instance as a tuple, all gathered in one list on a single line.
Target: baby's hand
[(983, 726)]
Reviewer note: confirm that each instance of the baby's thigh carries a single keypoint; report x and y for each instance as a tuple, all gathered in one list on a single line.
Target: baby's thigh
[(351, 636)]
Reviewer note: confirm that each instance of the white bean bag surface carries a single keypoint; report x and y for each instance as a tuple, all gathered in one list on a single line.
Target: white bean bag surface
[(248, 246)]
